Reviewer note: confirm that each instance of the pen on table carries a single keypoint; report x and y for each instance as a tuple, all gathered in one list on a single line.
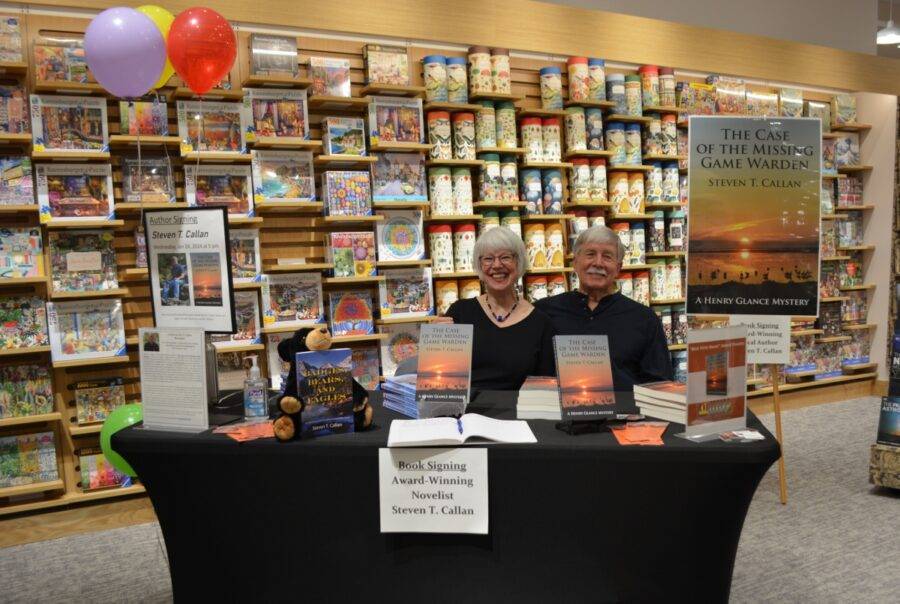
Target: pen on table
[(459, 425)]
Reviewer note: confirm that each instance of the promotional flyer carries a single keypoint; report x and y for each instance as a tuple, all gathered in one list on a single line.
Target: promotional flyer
[(188, 254), (753, 223)]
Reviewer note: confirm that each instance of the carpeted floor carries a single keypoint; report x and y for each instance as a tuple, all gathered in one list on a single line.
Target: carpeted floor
[(837, 540)]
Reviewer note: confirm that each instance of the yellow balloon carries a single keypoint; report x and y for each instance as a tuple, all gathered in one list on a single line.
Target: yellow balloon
[(163, 21)]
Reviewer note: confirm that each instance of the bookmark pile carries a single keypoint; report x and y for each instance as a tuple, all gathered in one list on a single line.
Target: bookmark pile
[(640, 433)]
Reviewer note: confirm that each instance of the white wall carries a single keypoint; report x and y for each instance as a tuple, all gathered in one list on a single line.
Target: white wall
[(846, 24)]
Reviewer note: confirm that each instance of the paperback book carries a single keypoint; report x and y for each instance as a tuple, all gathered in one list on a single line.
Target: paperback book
[(144, 118), (28, 459), (283, 176), (82, 261), (444, 369), (60, 59), (846, 149), (75, 192), (889, 421), (819, 110), (347, 193), (23, 322), (790, 102), (246, 314), (399, 177), (351, 313), (96, 399), (140, 247), (68, 123), (400, 346), (276, 113), (325, 383), (11, 40), (292, 300), (730, 94), (147, 180), (386, 64), (352, 253), (273, 55), (344, 135), (394, 119), (843, 109), (365, 367), (228, 186), (246, 264), (83, 330), (13, 108), (21, 252), (97, 473), (25, 390), (211, 126), (762, 104), (400, 236), (16, 181), (406, 292), (828, 150), (330, 76), (586, 390)]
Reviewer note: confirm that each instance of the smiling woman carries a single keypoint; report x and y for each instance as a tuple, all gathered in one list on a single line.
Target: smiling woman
[(512, 339)]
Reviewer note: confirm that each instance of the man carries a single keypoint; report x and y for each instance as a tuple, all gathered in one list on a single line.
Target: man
[(172, 285), (637, 343)]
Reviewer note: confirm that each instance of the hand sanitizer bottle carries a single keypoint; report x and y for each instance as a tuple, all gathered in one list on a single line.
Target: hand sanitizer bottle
[(256, 395)]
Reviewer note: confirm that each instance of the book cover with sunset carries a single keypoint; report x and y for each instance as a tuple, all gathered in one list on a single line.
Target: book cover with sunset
[(444, 369), (586, 390), (325, 385), (206, 278), (754, 216)]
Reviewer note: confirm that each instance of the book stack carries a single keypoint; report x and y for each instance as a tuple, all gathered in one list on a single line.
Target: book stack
[(662, 400), (538, 399), (400, 394)]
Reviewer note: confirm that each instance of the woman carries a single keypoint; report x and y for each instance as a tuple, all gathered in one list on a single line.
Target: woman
[(512, 339)]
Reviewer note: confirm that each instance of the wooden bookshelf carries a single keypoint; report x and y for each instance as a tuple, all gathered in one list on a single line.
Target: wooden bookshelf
[(15, 138), (14, 281), (392, 90), (16, 352), (589, 154), (84, 224), (496, 96), (286, 143), (74, 156), (402, 263), (501, 150), (216, 94), (452, 107), (66, 87), (353, 280), (297, 267), (42, 418), (272, 207), (372, 337), (19, 209), (363, 161), (129, 140), (597, 104), (454, 163), (399, 147), (275, 81), (116, 360), (560, 165), (224, 157), (223, 347), (117, 292), (542, 113), (131, 207), (632, 119), (338, 103)]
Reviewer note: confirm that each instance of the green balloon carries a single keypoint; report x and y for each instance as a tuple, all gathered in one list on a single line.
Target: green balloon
[(124, 416)]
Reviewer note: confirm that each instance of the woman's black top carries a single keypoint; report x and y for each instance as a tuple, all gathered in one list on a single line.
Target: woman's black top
[(502, 357)]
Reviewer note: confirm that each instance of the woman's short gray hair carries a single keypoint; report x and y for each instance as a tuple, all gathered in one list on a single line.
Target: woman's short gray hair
[(599, 234), (499, 239)]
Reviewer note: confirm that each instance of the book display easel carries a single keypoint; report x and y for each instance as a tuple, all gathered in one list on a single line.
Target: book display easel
[(293, 234)]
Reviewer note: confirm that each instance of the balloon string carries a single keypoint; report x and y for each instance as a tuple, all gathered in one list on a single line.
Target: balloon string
[(200, 136), (165, 147)]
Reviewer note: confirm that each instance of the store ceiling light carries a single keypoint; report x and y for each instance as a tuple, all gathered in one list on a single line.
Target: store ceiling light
[(889, 34)]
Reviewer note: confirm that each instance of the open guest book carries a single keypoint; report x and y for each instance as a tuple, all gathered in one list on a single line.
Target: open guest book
[(469, 429)]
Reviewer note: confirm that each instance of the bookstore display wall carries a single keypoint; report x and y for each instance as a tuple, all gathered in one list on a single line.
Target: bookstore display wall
[(297, 246)]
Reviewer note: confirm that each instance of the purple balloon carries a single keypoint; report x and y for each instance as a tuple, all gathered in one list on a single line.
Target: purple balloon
[(124, 51)]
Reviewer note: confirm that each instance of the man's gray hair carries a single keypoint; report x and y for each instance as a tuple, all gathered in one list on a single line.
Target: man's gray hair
[(600, 234), (499, 239)]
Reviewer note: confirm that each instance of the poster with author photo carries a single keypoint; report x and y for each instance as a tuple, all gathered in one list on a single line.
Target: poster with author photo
[(188, 256), (753, 216)]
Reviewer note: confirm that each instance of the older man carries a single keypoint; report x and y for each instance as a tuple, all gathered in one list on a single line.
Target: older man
[(636, 339)]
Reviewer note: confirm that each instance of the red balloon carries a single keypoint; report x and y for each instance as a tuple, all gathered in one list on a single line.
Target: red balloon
[(202, 48)]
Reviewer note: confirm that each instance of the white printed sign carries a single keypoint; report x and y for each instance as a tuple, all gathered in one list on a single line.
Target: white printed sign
[(84, 261), (433, 490), (768, 338)]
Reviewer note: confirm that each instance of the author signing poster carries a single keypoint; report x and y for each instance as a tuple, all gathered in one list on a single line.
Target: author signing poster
[(753, 222), (190, 270)]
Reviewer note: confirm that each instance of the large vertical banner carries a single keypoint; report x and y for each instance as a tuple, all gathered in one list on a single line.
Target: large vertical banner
[(753, 217)]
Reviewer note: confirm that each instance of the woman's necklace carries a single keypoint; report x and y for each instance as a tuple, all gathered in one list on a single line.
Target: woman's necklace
[(501, 318)]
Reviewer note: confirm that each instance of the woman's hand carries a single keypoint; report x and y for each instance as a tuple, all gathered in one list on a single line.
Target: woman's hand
[(442, 320)]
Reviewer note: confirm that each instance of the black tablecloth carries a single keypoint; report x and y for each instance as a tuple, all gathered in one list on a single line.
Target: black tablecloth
[(572, 518)]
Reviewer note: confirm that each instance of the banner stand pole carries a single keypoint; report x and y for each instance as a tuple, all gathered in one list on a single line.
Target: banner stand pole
[(776, 405)]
